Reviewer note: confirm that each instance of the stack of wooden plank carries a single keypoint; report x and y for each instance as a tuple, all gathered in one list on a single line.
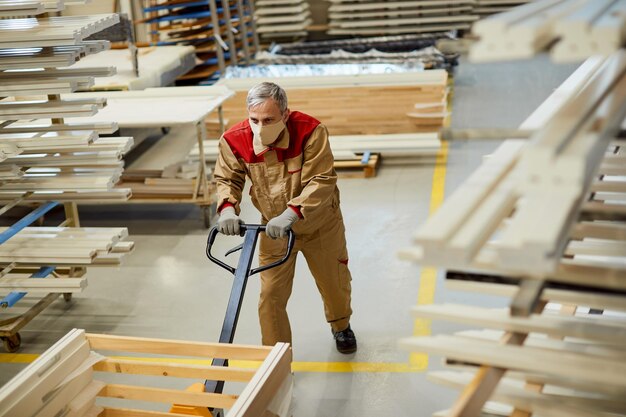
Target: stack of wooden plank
[(61, 246), (357, 104), (47, 158), (13, 8), (282, 18), (573, 30), (222, 31), (484, 8), (557, 235), (166, 185), (66, 379), (376, 17), (487, 221)]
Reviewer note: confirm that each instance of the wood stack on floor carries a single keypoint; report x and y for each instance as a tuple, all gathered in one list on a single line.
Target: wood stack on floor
[(282, 19), (358, 104), (166, 185), (66, 379), (540, 236), (375, 17), (572, 30)]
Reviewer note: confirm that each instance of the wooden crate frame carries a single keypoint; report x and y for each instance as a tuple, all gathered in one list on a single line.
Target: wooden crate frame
[(44, 384)]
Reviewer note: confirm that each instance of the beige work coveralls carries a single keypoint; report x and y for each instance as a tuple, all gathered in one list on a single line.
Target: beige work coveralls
[(297, 172)]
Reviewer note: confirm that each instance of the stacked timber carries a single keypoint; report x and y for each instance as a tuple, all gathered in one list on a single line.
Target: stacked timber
[(376, 17), (483, 8), (60, 246), (285, 19), (552, 240), (68, 379), (42, 157), (357, 104), (572, 30), (179, 181)]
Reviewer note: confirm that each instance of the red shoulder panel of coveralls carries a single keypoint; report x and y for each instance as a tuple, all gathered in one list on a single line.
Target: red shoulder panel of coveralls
[(300, 126)]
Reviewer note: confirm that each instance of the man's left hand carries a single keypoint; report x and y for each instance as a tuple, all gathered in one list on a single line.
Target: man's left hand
[(280, 225)]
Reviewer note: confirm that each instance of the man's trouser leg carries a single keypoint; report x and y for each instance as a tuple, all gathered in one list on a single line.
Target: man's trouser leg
[(327, 257), (276, 285)]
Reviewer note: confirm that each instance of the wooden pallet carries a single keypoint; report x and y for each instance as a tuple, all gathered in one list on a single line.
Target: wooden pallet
[(356, 168), (65, 378)]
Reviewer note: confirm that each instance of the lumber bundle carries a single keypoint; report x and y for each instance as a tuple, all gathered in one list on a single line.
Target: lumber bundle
[(41, 156), (539, 236), (35, 247), (514, 215), (166, 185), (571, 29), (282, 18), (484, 8), (358, 104), (67, 378), (13, 8), (65, 246), (375, 17)]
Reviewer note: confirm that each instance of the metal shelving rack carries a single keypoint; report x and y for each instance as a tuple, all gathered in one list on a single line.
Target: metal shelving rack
[(193, 23)]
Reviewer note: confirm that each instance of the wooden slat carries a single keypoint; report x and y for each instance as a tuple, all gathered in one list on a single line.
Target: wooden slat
[(162, 395), (134, 367), (601, 329), (564, 364), (169, 347)]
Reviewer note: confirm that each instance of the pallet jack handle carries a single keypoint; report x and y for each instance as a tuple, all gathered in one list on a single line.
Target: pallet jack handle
[(250, 233), (256, 229)]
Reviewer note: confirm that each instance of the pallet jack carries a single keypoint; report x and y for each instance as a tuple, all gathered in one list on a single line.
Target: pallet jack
[(244, 270)]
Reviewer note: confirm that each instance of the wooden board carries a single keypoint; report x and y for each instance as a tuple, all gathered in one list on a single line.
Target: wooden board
[(599, 329), (564, 364)]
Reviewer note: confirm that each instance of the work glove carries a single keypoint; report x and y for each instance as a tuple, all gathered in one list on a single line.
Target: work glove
[(280, 225), (228, 222)]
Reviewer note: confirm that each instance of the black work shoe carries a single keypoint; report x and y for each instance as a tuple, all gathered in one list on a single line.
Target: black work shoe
[(345, 340)]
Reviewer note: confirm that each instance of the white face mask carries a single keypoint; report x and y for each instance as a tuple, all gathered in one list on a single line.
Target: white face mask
[(267, 133)]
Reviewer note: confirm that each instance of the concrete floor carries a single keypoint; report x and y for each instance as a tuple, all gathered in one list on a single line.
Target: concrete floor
[(167, 287)]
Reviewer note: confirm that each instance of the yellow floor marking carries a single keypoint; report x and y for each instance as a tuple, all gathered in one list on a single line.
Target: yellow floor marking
[(428, 276), (337, 367)]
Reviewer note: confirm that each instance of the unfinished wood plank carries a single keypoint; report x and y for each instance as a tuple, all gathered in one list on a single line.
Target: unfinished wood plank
[(601, 329), (128, 412), (264, 387), (29, 392), (169, 347), (565, 364), (162, 395), (511, 392), (590, 299), (134, 367)]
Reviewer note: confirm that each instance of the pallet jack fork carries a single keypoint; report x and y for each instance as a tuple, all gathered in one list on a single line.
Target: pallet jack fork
[(244, 270)]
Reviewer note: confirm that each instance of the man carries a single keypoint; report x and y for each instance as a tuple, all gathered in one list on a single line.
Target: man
[(288, 158)]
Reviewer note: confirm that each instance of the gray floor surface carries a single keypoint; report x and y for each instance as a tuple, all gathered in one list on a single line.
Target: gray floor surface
[(167, 288)]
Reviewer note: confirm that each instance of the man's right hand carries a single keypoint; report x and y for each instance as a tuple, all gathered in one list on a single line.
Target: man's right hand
[(228, 222)]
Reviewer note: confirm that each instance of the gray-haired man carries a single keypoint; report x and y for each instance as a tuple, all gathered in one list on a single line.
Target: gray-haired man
[(288, 159)]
